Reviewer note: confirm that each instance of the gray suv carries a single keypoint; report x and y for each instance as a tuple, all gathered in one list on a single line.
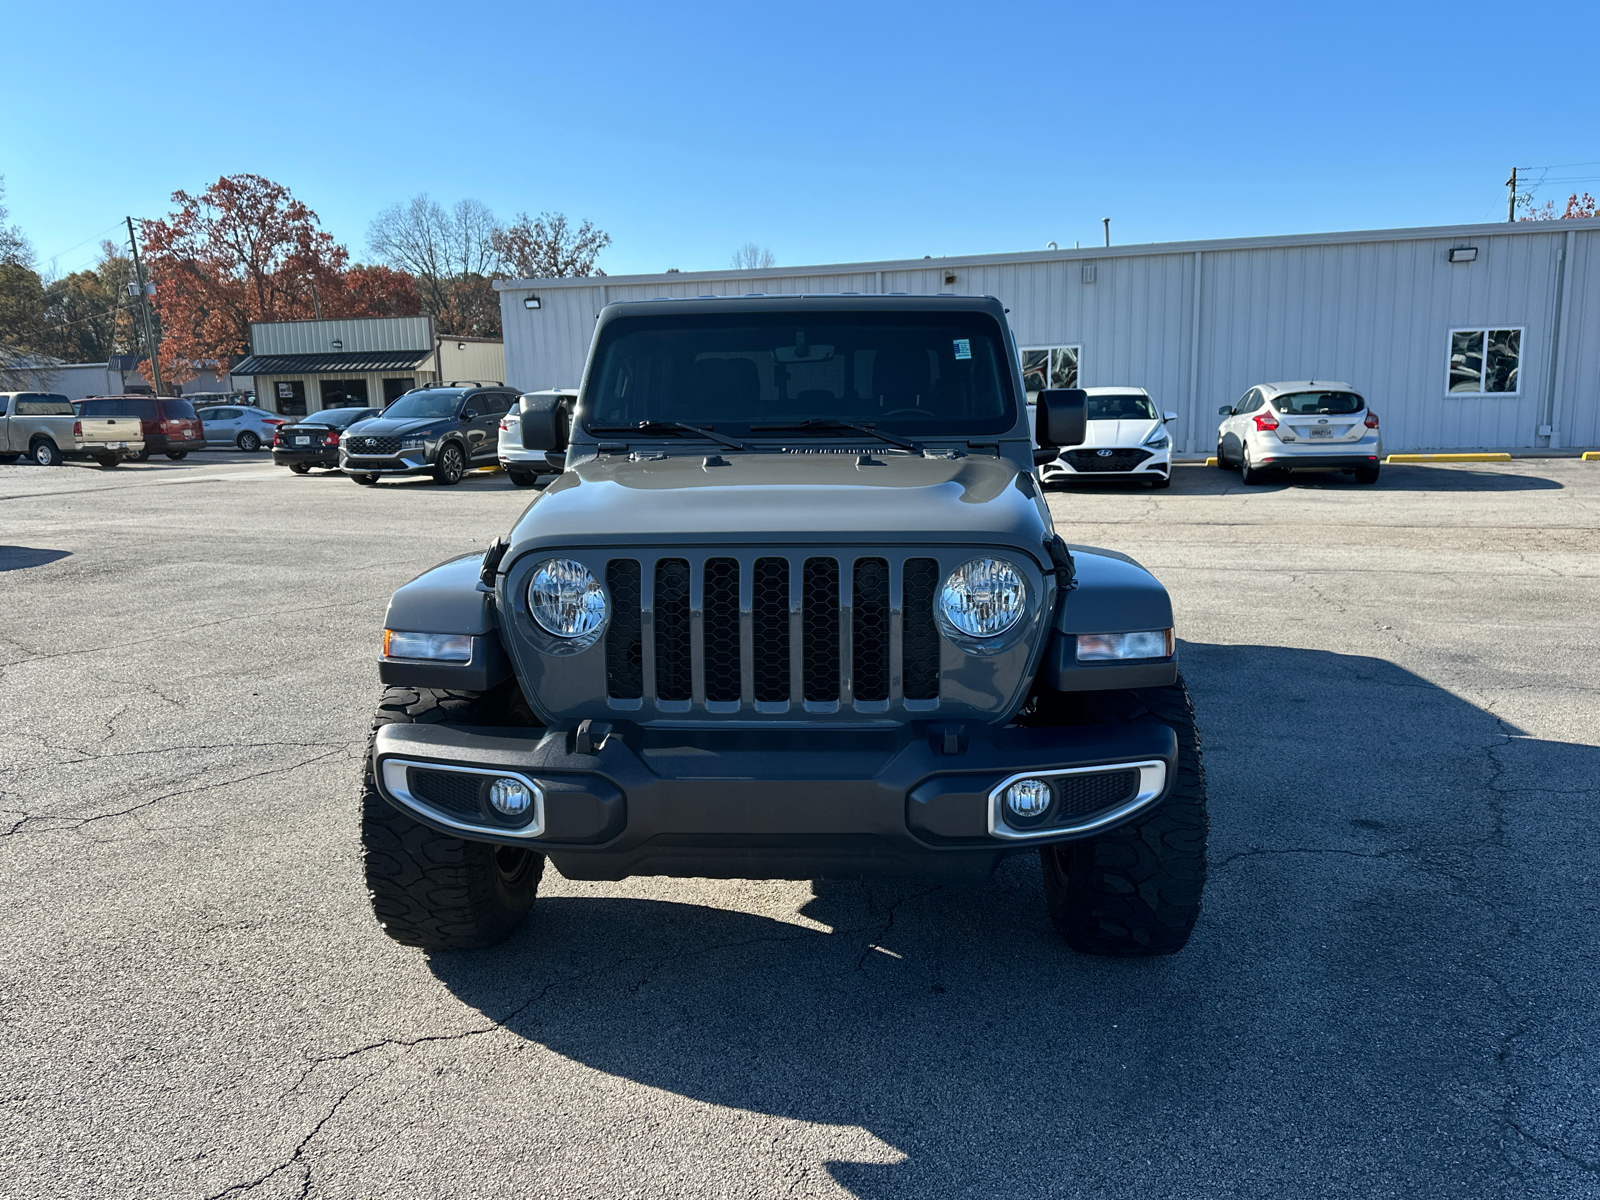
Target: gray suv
[(443, 430), (796, 609)]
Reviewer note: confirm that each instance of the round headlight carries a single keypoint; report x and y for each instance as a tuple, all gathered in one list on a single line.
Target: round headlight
[(983, 597), (566, 599)]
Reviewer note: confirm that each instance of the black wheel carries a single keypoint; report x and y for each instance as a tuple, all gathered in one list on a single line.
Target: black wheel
[(430, 889), (522, 478), (249, 441), (109, 461), (451, 466), (142, 456), (45, 453), (1222, 459), (1250, 473), (365, 480), (1366, 474), (299, 468), (177, 455), (1134, 891)]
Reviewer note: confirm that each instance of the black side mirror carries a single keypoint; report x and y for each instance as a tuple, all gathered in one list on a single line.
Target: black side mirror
[(470, 414), (545, 423), (1062, 417)]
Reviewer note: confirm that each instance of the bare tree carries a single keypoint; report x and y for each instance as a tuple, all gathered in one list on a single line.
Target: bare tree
[(751, 257), (14, 245), (443, 249), (549, 248)]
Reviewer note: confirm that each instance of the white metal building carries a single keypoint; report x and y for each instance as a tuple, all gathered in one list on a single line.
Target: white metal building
[(1465, 336)]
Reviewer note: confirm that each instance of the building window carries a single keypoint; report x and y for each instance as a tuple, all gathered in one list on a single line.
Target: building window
[(344, 393), (1049, 367), (1484, 361)]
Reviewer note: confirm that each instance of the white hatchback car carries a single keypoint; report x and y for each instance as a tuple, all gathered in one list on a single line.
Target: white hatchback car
[(1126, 438), (1294, 426), (521, 465)]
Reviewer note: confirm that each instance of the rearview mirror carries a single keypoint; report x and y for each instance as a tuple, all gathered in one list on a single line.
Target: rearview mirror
[(1225, 411), (1062, 416), (545, 423)]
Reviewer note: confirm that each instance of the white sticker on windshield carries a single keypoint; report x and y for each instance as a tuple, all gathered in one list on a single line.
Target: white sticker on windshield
[(963, 347)]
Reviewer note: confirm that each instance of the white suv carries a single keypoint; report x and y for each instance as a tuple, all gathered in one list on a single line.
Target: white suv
[(1292, 426), (521, 465), (1126, 438)]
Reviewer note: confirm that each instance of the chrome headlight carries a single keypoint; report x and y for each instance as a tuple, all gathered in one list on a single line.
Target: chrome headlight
[(567, 600), (983, 598)]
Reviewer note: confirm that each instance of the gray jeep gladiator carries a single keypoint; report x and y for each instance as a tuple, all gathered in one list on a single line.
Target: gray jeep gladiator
[(796, 609)]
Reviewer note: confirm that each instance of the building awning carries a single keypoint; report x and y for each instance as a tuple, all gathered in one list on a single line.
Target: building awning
[(321, 364)]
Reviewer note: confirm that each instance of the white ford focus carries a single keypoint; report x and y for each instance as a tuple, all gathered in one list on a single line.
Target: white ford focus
[(1126, 439), (1292, 426)]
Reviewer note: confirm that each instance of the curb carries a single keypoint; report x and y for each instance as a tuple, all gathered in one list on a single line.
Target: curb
[(1591, 456), (1428, 458)]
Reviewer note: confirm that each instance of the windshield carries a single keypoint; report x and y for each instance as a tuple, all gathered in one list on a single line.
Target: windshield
[(434, 402), (337, 417), (1317, 404), (929, 373), (1121, 408)]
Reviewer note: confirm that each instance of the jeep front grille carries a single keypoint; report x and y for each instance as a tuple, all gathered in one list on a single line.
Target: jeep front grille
[(773, 632)]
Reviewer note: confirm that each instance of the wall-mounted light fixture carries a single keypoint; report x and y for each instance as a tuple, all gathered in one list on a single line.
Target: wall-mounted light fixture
[(337, 344), (461, 345), (530, 302), (1463, 254), (949, 277)]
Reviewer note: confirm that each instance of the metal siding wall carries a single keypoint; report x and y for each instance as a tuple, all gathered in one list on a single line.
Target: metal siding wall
[(316, 337), (1577, 413), (483, 361)]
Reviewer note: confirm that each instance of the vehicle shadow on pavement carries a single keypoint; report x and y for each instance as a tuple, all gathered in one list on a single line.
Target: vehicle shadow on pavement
[(1397, 478), (20, 558), (1390, 989)]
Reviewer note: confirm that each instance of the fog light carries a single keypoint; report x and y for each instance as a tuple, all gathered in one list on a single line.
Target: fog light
[(1028, 798), (510, 797)]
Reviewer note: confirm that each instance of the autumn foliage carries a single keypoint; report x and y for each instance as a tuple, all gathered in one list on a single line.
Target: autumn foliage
[(246, 250)]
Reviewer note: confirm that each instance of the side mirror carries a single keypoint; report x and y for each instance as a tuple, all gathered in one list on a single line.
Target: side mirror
[(470, 414), (1225, 411), (1062, 417), (1168, 417), (545, 423)]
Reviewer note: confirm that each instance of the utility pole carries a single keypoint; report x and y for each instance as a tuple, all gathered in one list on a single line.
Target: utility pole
[(316, 300), (1106, 221), (144, 312), (1511, 198)]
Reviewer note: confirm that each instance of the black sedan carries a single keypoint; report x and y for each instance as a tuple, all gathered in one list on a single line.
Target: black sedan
[(314, 441)]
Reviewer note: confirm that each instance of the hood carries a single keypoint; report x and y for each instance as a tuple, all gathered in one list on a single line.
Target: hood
[(1118, 433), (389, 426), (793, 498)]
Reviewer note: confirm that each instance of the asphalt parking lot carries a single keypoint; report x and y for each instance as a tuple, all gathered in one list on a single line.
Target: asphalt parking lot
[(1391, 992)]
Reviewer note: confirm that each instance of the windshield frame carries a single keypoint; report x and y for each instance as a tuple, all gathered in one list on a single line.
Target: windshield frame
[(998, 383)]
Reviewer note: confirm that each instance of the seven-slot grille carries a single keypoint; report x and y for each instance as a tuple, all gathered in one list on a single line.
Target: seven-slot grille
[(365, 444), (779, 630)]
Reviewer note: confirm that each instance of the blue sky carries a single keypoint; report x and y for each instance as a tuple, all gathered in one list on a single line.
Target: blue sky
[(829, 132)]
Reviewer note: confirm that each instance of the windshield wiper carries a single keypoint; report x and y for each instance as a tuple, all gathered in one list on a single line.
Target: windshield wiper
[(820, 423), (649, 427)]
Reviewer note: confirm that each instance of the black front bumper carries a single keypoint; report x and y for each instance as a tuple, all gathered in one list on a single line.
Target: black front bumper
[(769, 804)]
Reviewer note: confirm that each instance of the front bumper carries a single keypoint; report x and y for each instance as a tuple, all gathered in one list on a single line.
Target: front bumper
[(800, 804), (1158, 465), (408, 462)]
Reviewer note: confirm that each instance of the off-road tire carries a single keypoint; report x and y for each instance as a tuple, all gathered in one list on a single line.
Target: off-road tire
[(430, 889), (522, 478), (249, 442), (1366, 474), (300, 468), (1134, 891), (46, 453), (452, 465), (177, 455)]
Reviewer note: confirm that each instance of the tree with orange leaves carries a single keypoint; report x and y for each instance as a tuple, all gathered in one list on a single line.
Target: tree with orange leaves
[(246, 250)]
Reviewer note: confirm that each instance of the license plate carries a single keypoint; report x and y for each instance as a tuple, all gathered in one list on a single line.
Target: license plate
[(305, 441), (1327, 433), (116, 445)]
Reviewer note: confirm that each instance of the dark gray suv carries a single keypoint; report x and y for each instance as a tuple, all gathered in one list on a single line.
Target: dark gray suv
[(443, 430), (796, 609)]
